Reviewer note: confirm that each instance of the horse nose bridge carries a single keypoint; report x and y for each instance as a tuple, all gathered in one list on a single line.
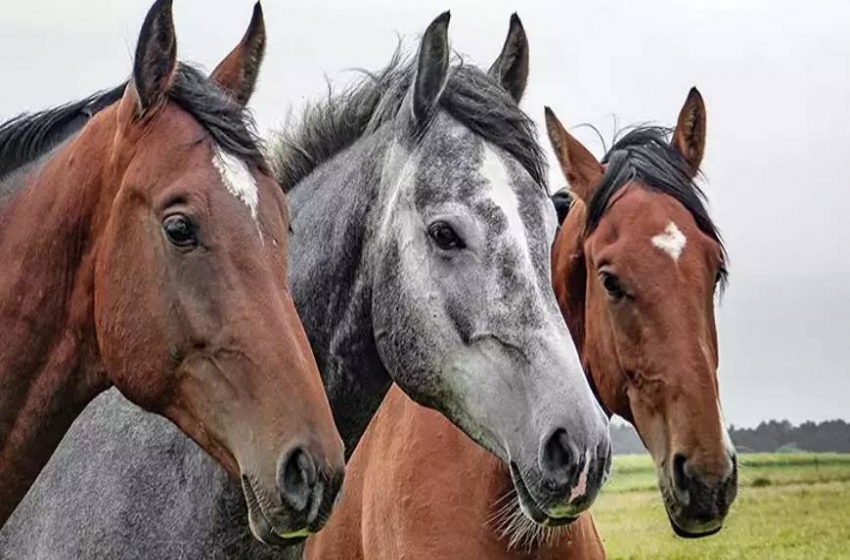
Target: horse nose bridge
[(695, 422), (690, 354), (570, 410), (266, 327), (559, 393), (262, 367), (268, 310), (562, 377), (249, 331)]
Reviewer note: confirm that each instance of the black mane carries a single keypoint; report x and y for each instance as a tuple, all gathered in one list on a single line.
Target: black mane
[(645, 155), (229, 123), (27, 137), (472, 97)]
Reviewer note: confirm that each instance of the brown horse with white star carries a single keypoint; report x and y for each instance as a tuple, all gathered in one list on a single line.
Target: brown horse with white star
[(148, 251)]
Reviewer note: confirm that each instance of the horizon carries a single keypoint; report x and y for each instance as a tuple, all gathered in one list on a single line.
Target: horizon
[(620, 422)]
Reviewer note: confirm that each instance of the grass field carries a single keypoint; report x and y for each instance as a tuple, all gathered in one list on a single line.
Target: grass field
[(788, 507)]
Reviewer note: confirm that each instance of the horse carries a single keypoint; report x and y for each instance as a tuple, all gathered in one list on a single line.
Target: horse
[(420, 255), (146, 251), (636, 265), (660, 313)]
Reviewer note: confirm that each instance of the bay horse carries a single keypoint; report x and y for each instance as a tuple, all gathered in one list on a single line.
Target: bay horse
[(420, 255), (147, 251), (636, 265)]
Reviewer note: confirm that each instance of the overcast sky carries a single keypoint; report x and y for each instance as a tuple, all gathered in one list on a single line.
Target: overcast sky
[(775, 75)]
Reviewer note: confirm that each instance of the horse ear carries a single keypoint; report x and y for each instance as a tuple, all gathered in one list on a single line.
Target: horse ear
[(511, 68), (689, 137), (432, 68), (582, 170), (237, 73), (156, 56)]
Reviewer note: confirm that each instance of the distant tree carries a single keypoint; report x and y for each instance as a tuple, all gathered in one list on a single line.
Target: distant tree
[(768, 437), (830, 436)]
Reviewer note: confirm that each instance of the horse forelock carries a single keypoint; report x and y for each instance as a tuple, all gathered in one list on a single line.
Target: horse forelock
[(471, 96), (644, 155), (230, 125)]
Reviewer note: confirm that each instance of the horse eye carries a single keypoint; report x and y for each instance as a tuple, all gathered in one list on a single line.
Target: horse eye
[(444, 236), (612, 285), (180, 231)]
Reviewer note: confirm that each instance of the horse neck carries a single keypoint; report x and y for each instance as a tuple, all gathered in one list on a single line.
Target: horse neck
[(569, 280), (49, 367), (569, 274), (15, 180), (333, 211)]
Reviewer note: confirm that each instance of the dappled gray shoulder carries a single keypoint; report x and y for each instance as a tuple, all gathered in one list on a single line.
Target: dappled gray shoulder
[(115, 488)]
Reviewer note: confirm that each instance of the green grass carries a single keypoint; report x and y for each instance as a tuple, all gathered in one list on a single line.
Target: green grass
[(788, 507)]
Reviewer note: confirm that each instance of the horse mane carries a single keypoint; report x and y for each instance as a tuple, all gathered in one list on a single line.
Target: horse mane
[(471, 96), (27, 137), (645, 154), (563, 201), (230, 124)]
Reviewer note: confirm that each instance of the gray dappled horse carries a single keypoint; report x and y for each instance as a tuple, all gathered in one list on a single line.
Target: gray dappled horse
[(420, 256)]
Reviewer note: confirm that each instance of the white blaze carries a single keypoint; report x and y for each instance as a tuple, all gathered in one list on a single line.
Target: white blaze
[(581, 486), (238, 180), (671, 241), (397, 176), (727, 441), (503, 194)]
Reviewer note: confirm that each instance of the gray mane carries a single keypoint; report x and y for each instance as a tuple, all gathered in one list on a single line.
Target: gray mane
[(472, 97)]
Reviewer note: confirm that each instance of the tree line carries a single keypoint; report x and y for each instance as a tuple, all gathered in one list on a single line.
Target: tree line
[(768, 437)]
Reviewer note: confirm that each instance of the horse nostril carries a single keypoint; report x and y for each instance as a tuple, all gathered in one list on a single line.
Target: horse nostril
[(296, 477), (558, 459), (680, 475)]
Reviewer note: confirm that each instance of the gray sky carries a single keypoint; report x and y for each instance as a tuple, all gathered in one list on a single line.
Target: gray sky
[(775, 75)]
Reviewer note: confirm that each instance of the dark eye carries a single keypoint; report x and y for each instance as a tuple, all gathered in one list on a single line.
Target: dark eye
[(444, 236), (612, 285), (180, 231)]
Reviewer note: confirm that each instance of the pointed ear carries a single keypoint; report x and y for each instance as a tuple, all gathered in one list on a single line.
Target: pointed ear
[(237, 73), (156, 56), (432, 69), (511, 68), (582, 170), (689, 137)]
